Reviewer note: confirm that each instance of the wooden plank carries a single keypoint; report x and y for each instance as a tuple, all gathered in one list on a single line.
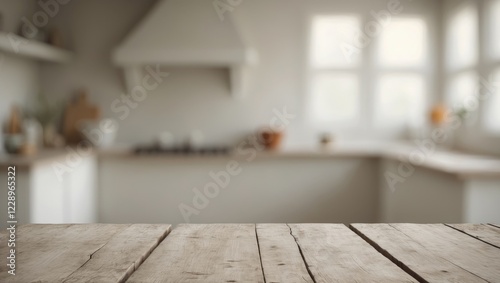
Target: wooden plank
[(486, 233), (423, 264), (55, 253), (333, 253), (474, 256), (122, 255), (280, 255), (204, 253)]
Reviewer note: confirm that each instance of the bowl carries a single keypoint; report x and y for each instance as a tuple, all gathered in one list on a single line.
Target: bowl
[(13, 142)]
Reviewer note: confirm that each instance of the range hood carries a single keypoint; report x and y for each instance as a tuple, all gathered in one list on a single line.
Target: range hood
[(185, 33)]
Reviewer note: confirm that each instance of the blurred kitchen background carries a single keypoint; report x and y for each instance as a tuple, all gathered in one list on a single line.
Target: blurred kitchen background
[(251, 110)]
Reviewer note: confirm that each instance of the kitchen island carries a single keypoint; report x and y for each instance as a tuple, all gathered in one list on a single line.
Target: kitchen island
[(355, 182), (351, 182), (111, 253)]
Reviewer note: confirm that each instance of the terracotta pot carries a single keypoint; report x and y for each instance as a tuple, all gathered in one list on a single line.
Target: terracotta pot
[(271, 140)]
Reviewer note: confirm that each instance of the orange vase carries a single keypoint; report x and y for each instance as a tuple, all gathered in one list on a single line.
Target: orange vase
[(438, 115)]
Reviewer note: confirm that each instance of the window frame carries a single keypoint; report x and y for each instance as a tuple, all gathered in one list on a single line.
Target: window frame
[(452, 73), (484, 68), (489, 64), (422, 70), (369, 72), (356, 70)]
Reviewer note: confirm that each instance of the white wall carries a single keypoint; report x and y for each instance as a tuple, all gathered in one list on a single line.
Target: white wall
[(19, 77), (194, 98)]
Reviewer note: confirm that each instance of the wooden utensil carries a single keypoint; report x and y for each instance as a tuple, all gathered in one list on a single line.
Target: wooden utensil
[(77, 112)]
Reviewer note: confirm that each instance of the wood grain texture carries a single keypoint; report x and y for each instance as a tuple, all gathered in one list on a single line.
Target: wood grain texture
[(204, 253), (80, 253), (333, 253), (423, 264), (483, 232), (280, 255)]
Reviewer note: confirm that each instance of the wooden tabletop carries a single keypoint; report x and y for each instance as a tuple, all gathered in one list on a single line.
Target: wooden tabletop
[(255, 253)]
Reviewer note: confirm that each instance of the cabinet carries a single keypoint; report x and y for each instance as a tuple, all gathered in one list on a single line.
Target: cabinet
[(44, 195), (431, 196)]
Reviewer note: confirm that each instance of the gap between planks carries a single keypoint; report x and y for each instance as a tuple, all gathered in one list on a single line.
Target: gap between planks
[(260, 254)]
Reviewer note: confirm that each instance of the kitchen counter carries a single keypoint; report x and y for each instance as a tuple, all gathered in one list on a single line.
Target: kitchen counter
[(355, 182), (43, 156), (20, 161), (463, 165)]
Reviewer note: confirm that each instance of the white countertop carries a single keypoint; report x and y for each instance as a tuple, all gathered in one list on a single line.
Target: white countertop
[(27, 161), (465, 165), (42, 156), (462, 164)]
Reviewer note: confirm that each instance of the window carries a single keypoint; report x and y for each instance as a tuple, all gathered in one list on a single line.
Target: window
[(398, 99), (330, 37), (401, 87), (492, 109), (462, 91), (403, 43), (494, 29), (391, 90), (335, 96), (462, 58), (491, 114), (462, 38), (334, 72)]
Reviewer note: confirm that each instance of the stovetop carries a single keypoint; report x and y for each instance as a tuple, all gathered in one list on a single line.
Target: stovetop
[(156, 150)]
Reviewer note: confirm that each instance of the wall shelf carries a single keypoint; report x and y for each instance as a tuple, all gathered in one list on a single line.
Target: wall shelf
[(37, 50)]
